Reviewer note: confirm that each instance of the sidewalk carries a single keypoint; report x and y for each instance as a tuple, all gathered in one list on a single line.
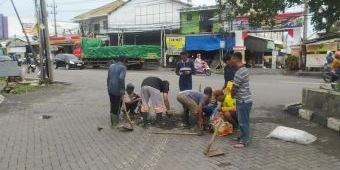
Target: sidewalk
[(70, 140)]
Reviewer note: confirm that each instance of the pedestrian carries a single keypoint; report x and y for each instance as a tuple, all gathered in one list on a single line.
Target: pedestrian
[(116, 88), (193, 103), (151, 94), (185, 69), (241, 91), (229, 70)]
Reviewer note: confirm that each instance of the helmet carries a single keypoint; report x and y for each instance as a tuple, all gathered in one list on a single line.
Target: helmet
[(337, 54)]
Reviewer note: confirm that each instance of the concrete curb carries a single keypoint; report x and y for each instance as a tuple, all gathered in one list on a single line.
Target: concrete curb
[(2, 99), (314, 116)]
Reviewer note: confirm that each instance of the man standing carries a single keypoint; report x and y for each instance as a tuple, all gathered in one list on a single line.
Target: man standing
[(185, 69), (116, 88), (151, 94), (229, 70), (244, 102)]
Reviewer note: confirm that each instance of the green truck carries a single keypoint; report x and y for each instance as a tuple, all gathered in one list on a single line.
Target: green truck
[(95, 55)]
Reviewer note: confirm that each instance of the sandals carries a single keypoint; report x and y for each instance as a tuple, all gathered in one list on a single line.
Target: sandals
[(240, 145)]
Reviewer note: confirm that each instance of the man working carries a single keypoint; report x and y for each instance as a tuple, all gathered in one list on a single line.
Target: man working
[(241, 91), (185, 69), (193, 102), (151, 94), (131, 99), (115, 87)]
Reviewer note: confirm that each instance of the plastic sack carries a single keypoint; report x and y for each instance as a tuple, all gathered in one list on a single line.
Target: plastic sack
[(225, 128), (292, 135)]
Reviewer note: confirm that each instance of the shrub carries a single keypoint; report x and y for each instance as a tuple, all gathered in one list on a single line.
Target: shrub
[(292, 62)]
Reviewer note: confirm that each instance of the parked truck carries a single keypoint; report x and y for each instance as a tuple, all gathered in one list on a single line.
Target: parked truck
[(95, 55)]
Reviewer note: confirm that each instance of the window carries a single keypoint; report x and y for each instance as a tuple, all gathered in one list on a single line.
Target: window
[(206, 15), (96, 27), (105, 25), (189, 17)]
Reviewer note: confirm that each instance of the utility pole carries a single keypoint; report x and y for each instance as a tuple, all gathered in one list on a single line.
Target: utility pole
[(305, 20), (54, 13), (45, 42)]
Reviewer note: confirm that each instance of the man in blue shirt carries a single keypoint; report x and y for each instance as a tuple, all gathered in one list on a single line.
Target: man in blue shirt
[(116, 87), (185, 69)]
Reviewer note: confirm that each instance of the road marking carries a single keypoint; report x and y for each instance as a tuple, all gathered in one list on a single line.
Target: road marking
[(297, 82)]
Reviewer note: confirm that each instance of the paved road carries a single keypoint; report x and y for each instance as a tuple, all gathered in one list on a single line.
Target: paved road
[(70, 140)]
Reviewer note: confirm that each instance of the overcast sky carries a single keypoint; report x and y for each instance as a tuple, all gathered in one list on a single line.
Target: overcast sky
[(66, 9)]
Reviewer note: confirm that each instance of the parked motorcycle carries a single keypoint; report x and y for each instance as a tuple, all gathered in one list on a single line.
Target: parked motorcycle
[(204, 69), (31, 68)]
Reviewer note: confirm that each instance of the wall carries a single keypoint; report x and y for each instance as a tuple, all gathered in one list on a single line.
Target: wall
[(146, 15), (190, 27), (322, 100)]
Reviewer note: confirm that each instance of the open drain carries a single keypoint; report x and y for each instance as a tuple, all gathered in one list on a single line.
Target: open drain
[(42, 117)]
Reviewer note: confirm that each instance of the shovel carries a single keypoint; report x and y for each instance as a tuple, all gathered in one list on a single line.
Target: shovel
[(125, 126), (214, 152)]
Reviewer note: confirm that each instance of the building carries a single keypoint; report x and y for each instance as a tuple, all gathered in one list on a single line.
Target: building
[(199, 20), (96, 21), (134, 21), (3, 27)]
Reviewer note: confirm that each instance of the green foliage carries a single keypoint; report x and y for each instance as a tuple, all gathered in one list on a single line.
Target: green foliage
[(292, 62), (325, 13)]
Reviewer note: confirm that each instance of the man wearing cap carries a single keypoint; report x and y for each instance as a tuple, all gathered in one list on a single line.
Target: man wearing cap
[(116, 88), (154, 94)]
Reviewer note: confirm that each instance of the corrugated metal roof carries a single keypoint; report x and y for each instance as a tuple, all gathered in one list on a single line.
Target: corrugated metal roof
[(101, 11)]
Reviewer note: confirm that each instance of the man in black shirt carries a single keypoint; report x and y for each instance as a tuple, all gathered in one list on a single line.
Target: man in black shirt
[(151, 94)]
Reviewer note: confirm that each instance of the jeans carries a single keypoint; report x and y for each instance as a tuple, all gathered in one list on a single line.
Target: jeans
[(243, 113)]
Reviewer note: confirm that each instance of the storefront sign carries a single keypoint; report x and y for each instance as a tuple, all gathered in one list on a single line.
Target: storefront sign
[(175, 44), (322, 47)]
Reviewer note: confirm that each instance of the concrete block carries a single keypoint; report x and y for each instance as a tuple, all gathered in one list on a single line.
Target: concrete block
[(320, 118), (2, 99), (305, 114), (333, 123)]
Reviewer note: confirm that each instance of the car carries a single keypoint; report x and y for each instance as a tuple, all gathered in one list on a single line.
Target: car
[(68, 61), (5, 58)]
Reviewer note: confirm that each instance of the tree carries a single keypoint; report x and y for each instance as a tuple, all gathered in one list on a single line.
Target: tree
[(325, 13)]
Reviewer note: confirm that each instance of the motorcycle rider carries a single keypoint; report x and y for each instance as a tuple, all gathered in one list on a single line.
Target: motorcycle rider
[(329, 57), (336, 64)]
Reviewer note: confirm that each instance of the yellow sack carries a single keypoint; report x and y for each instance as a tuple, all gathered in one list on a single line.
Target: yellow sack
[(229, 103)]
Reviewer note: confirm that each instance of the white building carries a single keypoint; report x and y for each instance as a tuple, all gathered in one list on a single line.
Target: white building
[(146, 15)]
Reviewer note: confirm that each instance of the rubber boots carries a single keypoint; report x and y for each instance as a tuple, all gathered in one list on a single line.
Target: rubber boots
[(114, 119), (159, 119), (186, 118), (145, 116)]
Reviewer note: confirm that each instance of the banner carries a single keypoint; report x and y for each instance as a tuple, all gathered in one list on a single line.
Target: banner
[(282, 21), (322, 47), (175, 44)]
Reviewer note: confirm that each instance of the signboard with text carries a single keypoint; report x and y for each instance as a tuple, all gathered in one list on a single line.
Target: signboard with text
[(174, 44)]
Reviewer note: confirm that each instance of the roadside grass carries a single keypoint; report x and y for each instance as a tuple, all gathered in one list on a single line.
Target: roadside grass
[(17, 88)]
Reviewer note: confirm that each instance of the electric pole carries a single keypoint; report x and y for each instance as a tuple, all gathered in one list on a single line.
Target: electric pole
[(305, 20), (45, 42), (54, 13)]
